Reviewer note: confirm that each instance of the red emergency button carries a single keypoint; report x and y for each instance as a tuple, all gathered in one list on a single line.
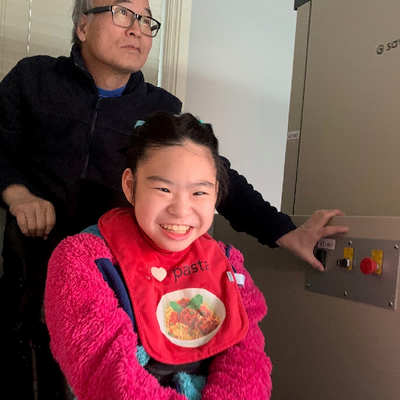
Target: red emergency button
[(368, 266)]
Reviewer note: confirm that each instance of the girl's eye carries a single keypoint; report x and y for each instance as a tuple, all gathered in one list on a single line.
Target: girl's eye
[(199, 193), (165, 190)]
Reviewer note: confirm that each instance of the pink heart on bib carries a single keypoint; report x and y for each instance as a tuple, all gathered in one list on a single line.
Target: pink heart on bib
[(158, 273)]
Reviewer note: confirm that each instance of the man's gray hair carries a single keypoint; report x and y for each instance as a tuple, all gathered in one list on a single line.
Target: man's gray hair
[(80, 6)]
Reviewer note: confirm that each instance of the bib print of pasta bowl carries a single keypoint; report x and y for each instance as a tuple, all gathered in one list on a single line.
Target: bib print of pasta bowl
[(190, 317)]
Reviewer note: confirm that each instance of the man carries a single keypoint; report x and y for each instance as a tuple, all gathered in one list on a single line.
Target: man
[(110, 53), (62, 124)]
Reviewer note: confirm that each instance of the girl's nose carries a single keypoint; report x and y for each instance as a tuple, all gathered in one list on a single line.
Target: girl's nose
[(180, 208)]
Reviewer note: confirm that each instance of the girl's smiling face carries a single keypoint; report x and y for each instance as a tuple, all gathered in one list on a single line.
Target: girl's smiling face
[(174, 192)]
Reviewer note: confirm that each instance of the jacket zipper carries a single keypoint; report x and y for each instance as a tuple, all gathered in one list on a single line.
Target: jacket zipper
[(89, 141)]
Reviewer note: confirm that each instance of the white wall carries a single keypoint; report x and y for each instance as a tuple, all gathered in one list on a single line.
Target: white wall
[(239, 78)]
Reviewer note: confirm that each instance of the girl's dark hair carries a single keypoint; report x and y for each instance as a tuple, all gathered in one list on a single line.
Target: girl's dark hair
[(163, 130)]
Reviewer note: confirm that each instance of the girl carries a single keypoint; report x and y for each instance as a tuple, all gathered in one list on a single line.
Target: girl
[(146, 305)]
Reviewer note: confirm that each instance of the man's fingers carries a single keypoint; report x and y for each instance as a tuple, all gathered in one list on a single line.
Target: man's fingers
[(334, 230), (322, 217), (308, 256), (22, 223), (26, 222), (317, 265), (32, 223), (35, 219), (41, 224), (301, 241), (45, 220)]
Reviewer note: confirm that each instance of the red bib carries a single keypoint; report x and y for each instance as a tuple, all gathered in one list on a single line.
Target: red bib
[(187, 304)]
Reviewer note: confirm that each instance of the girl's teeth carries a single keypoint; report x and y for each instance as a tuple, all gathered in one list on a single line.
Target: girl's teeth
[(176, 228)]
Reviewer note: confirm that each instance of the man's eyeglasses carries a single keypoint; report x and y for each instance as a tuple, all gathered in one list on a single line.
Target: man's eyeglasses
[(125, 18)]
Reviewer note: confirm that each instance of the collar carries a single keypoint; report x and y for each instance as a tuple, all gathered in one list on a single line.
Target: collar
[(135, 79)]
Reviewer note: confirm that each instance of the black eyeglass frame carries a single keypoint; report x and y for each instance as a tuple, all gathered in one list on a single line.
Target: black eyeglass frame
[(99, 10)]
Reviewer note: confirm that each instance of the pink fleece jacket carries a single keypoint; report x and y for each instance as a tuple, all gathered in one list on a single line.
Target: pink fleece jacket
[(93, 340)]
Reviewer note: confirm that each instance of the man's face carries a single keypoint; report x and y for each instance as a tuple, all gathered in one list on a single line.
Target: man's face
[(108, 48)]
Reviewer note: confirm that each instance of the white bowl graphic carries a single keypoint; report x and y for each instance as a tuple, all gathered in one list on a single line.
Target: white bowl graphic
[(215, 311)]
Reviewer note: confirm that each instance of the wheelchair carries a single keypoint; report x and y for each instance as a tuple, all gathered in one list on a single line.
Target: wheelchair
[(28, 370)]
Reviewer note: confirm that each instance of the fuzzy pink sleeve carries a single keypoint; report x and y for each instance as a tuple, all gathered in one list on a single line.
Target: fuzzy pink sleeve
[(90, 336), (243, 371)]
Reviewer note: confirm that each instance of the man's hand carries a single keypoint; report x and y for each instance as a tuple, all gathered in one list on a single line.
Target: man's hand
[(301, 241), (35, 216)]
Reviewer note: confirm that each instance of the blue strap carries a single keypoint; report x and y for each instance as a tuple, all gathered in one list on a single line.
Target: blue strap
[(228, 253), (113, 276)]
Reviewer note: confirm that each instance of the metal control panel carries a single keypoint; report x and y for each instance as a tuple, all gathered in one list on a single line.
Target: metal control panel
[(362, 270)]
